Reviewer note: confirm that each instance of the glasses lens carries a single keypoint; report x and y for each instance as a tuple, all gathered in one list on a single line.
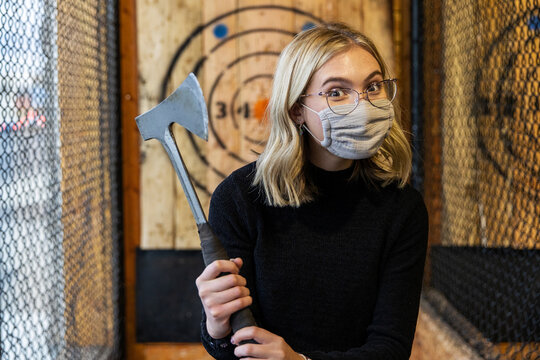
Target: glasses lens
[(380, 94), (342, 101)]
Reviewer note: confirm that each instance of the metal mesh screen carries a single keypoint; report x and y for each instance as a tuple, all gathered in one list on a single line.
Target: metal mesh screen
[(482, 77), (59, 210)]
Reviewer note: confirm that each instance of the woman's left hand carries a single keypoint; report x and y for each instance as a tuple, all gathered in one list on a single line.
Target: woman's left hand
[(270, 346)]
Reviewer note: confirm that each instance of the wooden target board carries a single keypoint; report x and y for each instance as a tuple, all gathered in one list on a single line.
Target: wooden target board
[(508, 129), (241, 50), (491, 122), (233, 48)]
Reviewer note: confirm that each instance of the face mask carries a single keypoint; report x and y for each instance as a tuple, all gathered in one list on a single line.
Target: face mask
[(359, 134)]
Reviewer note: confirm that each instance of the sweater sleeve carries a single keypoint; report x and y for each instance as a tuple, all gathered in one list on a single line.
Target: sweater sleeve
[(229, 218), (391, 332)]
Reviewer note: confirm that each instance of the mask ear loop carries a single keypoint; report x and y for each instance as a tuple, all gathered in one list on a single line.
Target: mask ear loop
[(306, 128), (310, 133)]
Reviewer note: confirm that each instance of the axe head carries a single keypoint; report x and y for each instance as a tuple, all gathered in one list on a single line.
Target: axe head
[(185, 106)]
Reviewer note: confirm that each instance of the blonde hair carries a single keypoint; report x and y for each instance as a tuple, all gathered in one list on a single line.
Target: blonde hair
[(280, 169)]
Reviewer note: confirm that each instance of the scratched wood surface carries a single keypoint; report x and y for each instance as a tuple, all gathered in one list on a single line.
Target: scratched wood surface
[(236, 48), (162, 26), (435, 339)]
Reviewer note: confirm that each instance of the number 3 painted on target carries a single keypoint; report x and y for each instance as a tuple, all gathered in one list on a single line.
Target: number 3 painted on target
[(222, 110)]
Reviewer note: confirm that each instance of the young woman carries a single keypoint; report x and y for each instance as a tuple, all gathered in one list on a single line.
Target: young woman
[(327, 240)]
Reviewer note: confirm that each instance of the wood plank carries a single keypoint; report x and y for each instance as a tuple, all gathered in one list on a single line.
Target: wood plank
[(347, 12), (434, 339), (432, 69), (352, 13), (377, 25), (157, 175), (401, 35), (256, 72), (326, 10), (182, 351), (186, 15), (221, 76), (130, 162)]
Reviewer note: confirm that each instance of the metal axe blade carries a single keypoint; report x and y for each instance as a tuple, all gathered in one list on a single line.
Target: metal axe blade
[(185, 106)]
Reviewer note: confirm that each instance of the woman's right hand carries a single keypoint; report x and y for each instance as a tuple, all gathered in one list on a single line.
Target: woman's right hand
[(222, 296)]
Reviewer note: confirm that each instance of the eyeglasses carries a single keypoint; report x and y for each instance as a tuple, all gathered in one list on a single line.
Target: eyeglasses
[(379, 94)]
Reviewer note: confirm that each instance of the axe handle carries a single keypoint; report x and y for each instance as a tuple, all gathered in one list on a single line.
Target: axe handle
[(212, 250), (210, 245), (174, 154)]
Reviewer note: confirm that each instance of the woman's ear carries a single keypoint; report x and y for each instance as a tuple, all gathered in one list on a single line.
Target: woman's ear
[(296, 114)]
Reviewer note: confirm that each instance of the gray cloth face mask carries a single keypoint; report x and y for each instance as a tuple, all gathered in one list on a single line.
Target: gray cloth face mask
[(359, 134)]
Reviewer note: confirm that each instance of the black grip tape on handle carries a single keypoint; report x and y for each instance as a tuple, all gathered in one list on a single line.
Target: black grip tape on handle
[(212, 250), (211, 247)]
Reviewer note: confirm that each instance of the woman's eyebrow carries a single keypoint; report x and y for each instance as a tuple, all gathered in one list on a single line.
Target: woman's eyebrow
[(347, 82), (337, 79), (372, 75)]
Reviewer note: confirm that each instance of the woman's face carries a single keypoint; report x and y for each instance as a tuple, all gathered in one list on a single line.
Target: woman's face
[(355, 69)]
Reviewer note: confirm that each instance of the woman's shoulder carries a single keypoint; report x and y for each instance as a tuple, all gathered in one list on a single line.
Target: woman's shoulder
[(409, 193), (405, 214), (233, 211), (239, 179), (238, 184), (404, 198)]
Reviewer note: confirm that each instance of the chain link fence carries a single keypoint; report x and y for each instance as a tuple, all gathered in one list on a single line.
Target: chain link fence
[(59, 159), (482, 79)]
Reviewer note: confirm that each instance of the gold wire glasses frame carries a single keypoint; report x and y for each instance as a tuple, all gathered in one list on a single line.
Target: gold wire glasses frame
[(385, 89)]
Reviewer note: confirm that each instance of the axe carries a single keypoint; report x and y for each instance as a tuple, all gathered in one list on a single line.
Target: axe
[(186, 106)]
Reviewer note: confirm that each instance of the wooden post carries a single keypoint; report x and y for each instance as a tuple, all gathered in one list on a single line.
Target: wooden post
[(130, 162), (432, 68), (400, 36)]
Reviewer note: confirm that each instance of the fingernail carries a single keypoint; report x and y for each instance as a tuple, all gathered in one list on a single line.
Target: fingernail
[(232, 341)]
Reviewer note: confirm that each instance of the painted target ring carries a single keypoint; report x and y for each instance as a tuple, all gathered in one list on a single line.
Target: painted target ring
[(506, 104), (239, 108), (222, 106), (258, 108)]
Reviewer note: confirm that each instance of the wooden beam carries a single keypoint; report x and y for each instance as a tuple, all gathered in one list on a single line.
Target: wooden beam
[(401, 33), (129, 107), (176, 351), (432, 69)]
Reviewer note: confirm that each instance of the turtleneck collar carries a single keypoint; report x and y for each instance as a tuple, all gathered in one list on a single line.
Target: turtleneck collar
[(329, 180)]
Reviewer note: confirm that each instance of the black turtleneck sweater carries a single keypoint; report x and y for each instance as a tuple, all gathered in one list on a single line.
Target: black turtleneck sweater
[(337, 278)]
